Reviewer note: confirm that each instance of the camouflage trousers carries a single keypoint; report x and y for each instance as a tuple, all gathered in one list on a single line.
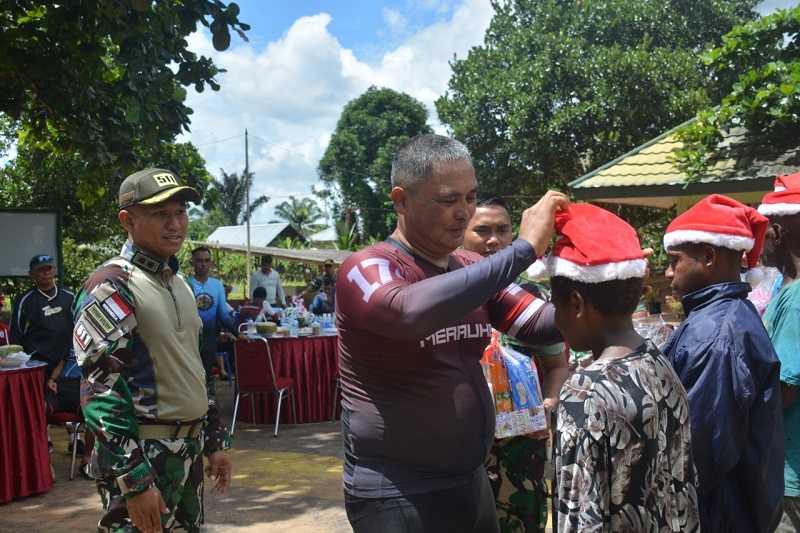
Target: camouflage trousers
[(178, 464), (516, 473)]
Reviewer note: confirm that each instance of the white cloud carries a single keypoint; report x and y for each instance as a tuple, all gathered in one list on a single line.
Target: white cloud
[(290, 94), (395, 20), (768, 6), (439, 6)]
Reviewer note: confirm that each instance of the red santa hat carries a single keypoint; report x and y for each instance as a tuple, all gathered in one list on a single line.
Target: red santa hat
[(785, 199), (720, 221), (595, 246)]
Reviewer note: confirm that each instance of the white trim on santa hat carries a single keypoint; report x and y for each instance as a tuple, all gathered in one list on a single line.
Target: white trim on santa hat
[(558, 266), (723, 240), (538, 271), (778, 209)]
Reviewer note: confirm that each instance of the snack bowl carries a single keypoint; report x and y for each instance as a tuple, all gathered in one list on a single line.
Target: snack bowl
[(14, 360), (266, 328)]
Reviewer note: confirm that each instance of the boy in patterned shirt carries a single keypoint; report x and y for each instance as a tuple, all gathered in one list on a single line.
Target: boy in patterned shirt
[(623, 442)]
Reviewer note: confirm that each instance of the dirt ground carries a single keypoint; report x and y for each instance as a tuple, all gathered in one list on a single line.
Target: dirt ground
[(287, 484)]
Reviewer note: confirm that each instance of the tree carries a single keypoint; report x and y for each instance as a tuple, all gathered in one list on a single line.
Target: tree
[(302, 214), (758, 64), (102, 81), (560, 87), (229, 196), (346, 236), (359, 155), (36, 179)]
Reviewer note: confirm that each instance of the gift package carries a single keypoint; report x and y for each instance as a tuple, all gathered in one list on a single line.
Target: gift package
[(514, 386)]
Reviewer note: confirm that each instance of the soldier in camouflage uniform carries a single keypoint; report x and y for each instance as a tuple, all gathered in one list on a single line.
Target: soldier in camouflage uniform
[(516, 465), (146, 396)]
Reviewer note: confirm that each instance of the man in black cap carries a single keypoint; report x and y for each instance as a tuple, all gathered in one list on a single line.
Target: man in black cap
[(147, 398), (326, 283), (41, 321)]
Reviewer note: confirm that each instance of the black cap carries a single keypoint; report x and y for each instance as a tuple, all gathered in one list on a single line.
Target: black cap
[(38, 261), (153, 186)]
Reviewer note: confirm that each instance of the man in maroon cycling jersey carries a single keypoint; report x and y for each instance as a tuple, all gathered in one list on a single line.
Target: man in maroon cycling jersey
[(414, 315)]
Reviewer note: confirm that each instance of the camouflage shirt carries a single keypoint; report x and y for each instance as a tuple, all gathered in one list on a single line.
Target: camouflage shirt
[(136, 338)]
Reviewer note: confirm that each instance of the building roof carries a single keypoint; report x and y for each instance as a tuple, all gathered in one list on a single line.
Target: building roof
[(309, 255), (647, 175), (260, 234), (326, 235)]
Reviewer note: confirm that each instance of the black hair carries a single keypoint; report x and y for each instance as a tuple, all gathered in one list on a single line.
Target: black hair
[(494, 201), (618, 297), (266, 259), (259, 292), (201, 248), (696, 250)]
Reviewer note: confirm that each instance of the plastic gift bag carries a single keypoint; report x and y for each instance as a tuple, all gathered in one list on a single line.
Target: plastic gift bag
[(514, 385)]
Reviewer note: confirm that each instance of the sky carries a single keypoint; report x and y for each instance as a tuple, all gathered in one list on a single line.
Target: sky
[(305, 60)]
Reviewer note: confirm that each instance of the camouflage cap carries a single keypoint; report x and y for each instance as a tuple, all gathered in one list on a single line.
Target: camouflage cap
[(153, 186)]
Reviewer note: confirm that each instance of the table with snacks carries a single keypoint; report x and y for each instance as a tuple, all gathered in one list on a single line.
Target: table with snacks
[(312, 361), (24, 459)]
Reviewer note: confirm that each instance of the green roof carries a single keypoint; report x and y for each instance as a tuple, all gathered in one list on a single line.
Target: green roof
[(746, 167)]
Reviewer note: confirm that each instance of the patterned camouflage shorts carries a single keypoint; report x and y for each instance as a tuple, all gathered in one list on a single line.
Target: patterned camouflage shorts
[(516, 473), (178, 464)]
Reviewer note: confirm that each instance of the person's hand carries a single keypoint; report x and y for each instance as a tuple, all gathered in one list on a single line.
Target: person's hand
[(52, 385), (549, 404), (536, 226), (219, 469), (145, 510)]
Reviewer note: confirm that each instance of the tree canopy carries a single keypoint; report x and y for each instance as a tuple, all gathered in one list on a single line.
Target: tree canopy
[(758, 65), (559, 86), (228, 196), (303, 214), (103, 81), (359, 155)]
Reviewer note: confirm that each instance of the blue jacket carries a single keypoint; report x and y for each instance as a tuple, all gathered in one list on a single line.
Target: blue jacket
[(724, 357)]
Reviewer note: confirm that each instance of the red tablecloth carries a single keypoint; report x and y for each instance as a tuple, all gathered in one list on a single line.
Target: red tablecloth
[(313, 363), (24, 461)]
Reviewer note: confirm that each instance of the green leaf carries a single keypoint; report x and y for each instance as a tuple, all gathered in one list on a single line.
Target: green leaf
[(133, 111), (221, 39)]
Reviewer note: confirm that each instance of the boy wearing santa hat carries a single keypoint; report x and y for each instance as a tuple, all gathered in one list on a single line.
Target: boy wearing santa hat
[(623, 442), (725, 359), (782, 250)]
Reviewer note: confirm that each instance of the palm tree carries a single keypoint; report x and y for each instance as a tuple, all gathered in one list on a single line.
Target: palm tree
[(228, 196), (346, 236), (302, 214)]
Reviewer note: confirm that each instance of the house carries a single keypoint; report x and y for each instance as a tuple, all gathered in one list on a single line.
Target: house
[(325, 237), (261, 235), (745, 168)]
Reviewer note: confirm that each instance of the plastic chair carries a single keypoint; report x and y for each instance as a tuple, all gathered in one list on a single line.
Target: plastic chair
[(255, 374), (62, 418)]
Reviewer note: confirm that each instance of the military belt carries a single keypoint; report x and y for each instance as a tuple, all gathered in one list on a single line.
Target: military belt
[(177, 429)]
